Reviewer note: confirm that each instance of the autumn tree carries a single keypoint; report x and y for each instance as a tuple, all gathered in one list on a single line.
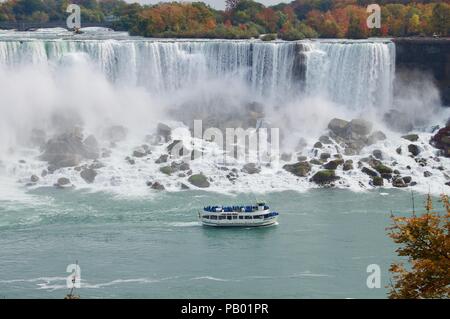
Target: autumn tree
[(425, 241)]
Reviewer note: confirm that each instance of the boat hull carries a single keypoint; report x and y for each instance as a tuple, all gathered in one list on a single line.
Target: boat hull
[(239, 223)]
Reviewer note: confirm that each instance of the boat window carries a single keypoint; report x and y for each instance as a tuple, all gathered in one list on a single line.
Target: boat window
[(234, 217), (248, 217), (206, 217), (213, 217), (257, 217), (229, 217), (241, 217), (222, 217)]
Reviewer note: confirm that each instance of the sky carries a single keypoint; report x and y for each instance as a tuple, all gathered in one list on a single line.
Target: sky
[(217, 4)]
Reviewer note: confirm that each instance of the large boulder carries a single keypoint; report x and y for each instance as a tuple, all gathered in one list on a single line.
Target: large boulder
[(251, 168), (67, 150), (301, 169), (333, 164), (199, 180), (414, 149), (441, 140), (411, 137), (323, 177), (360, 126), (88, 174), (338, 126)]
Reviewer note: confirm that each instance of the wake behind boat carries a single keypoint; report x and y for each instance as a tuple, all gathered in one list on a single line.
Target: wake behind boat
[(228, 216)]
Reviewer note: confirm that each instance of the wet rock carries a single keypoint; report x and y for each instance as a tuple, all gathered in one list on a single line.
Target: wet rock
[(44, 173), (369, 172), (130, 160), (382, 169), (325, 156), (377, 154), (180, 166), (158, 186), (376, 137), (386, 176), (333, 164), (360, 126), (325, 140), (164, 131), (301, 169), (115, 133), (411, 137), (447, 183), (348, 165), (338, 126), (318, 145), (162, 159), (140, 152), (407, 179), (399, 182), (414, 149), (184, 186), (324, 177), (199, 180), (67, 150), (63, 182), (168, 170), (441, 140), (427, 174), (399, 150), (315, 161), (88, 175), (377, 181), (251, 168), (34, 178)]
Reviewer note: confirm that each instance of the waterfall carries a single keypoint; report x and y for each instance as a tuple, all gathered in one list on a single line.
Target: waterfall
[(357, 74)]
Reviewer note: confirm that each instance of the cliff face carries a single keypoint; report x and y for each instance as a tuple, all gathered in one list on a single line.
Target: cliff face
[(428, 55)]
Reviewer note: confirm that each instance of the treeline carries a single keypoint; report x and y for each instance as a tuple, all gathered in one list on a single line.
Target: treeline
[(246, 18)]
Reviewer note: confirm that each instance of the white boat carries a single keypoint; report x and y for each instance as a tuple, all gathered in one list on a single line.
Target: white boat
[(229, 216)]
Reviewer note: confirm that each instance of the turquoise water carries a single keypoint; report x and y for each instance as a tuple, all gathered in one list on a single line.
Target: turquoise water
[(154, 247)]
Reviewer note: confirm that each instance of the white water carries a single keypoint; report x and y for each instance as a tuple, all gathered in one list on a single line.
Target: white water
[(100, 78)]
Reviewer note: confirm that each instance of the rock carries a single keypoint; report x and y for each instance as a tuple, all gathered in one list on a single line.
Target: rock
[(377, 154), (67, 150), (184, 186), (130, 160), (338, 126), (386, 176), (414, 149), (411, 137), (324, 177), (441, 140), (382, 169), (164, 131), (179, 166), (325, 156), (34, 178), (140, 152), (44, 173), (360, 126), (399, 182), (325, 140), (96, 165), (162, 159), (251, 168), (168, 170), (407, 179), (315, 161), (333, 164), (427, 174), (318, 145), (399, 150), (199, 180), (88, 175), (176, 148), (447, 183), (348, 165), (301, 169), (158, 186), (63, 182), (115, 133), (376, 137), (369, 172), (377, 181)]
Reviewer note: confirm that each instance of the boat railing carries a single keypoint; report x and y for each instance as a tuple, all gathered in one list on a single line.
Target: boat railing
[(229, 209)]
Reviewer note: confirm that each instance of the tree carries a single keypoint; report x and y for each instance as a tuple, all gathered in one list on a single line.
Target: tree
[(441, 19), (425, 241), (230, 5)]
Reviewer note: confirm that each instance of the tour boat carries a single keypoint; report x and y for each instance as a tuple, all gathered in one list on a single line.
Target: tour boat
[(225, 216)]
